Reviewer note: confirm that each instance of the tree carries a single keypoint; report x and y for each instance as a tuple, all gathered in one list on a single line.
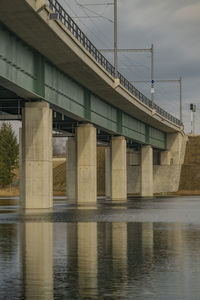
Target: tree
[(9, 154)]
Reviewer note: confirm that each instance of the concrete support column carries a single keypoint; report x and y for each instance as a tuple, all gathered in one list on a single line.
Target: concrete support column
[(71, 172), (119, 168), (107, 172), (86, 163), (146, 184), (133, 172), (36, 187)]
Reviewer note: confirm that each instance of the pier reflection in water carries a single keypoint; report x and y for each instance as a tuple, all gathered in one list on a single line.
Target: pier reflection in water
[(43, 259), (37, 260)]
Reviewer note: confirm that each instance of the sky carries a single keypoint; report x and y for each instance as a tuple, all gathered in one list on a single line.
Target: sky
[(173, 26)]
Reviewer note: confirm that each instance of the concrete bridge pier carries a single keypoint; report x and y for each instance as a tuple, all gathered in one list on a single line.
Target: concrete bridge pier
[(36, 180), (86, 163), (119, 168), (133, 171), (146, 177), (107, 172), (82, 165), (71, 170)]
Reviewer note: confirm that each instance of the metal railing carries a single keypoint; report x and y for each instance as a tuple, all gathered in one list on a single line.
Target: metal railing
[(88, 45)]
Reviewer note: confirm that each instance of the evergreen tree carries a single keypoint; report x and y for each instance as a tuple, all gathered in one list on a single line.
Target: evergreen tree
[(9, 153)]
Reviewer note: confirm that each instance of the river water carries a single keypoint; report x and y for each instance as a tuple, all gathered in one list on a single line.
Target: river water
[(138, 249)]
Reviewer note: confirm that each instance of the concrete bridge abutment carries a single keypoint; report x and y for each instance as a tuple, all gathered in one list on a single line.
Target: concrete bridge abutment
[(167, 174), (36, 179), (145, 176)]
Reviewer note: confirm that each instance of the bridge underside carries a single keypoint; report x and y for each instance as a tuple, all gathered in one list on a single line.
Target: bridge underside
[(32, 77), (11, 106)]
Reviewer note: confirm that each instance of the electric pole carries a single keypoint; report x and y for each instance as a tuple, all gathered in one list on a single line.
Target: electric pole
[(181, 104), (152, 75), (115, 40), (116, 50)]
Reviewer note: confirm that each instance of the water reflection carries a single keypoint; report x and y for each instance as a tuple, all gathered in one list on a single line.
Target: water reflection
[(87, 260), (10, 287), (147, 240), (119, 248), (99, 260), (37, 260)]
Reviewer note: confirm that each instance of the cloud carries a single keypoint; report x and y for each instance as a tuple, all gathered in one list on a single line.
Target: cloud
[(188, 14), (174, 28)]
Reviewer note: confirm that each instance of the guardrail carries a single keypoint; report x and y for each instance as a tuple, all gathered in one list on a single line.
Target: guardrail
[(65, 18)]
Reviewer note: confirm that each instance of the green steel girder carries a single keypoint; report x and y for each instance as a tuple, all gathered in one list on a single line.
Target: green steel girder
[(39, 67), (119, 121), (24, 67), (87, 104)]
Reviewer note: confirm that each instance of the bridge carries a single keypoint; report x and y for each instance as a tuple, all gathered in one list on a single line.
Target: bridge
[(52, 77)]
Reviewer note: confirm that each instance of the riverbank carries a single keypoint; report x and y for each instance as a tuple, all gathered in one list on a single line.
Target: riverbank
[(59, 177), (59, 180)]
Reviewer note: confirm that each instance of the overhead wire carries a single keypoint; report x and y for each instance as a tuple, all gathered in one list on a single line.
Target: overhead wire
[(98, 15), (80, 21), (135, 65), (94, 24), (165, 98), (125, 56), (106, 40)]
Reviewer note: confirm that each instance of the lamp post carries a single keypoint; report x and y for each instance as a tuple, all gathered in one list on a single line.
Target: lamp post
[(193, 110)]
